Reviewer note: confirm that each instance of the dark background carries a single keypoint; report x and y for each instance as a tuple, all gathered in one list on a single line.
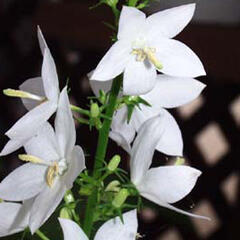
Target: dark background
[(78, 39)]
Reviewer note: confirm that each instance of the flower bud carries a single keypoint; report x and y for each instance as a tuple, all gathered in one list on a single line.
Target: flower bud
[(179, 161), (68, 197), (114, 162), (94, 110), (113, 186), (65, 213), (120, 198)]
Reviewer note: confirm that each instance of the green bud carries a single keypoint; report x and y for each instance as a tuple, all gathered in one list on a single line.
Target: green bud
[(102, 96), (114, 162), (85, 191), (97, 123), (179, 161), (120, 198), (65, 213), (113, 186), (68, 197), (94, 110)]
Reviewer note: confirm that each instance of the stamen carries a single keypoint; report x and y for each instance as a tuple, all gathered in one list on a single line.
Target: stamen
[(31, 158), (22, 94), (52, 173)]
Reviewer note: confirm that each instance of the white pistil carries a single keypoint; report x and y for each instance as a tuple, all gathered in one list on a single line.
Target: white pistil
[(22, 94)]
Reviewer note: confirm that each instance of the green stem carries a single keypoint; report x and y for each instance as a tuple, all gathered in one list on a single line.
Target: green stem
[(42, 235), (101, 153), (80, 110)]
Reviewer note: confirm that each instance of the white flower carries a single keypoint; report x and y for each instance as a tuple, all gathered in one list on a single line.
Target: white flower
[(112, 229), (161, 185), (40, 96), (14, 217), (144, 45), (169, 92), (54, 164)]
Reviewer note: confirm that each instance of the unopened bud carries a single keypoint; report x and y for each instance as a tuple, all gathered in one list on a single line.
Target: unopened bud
[(114, 162), (102, 96), (68, 197), (120, 198), (113, 186), (94, 109), (179, 161), (65, 213)]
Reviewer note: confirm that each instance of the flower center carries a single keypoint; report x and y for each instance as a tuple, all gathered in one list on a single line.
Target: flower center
[(142, 52), (55, 168)]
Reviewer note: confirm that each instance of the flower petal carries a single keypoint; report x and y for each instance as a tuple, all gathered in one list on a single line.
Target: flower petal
[(96, 86), (177, 59), (9, 212), (131, 21), (41, 40), (23, 183), (144, 147), (170, 22), (171, 92), (49, 76), (115, 227), (122, 132), (114, 62), (139, 77), (35, 86), (29, 124), (169, 184), (11, 146), (71, 230), (64, 125), (45, 139), (171, 142), (76, 166), (45, 204)]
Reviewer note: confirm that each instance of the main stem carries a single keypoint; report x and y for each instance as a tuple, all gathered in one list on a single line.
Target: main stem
[(101, 153)]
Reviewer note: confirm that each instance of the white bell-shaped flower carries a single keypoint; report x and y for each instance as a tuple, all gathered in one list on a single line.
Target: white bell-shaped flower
[(54, 164), (144, 45), (40, 96), (112, 229)]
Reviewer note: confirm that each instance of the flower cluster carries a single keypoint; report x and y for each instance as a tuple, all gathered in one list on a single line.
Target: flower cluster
[(144, 73)]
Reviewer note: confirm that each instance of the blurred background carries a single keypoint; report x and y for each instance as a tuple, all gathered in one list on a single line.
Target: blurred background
[(210, 125)]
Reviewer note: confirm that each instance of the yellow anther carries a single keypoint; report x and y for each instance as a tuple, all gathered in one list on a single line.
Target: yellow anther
[(22, 94), (30, 158), (52, 173)]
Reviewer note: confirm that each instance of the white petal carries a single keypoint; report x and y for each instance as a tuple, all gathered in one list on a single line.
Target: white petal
[(29, 124), (144, 147), (115, 227), (177, 59), (64, 125), (170, 22), (45, 204), (122, 132), (96, 86), (11, 146), (23, 183), (166, 205), (45, 139), (13, 218), (41, 40), (35, 86), (171, 142), (131, 23), (71, 230), (49, 76), (170, 92), (169, 184), (76, 166), (139, 77), (114, 61)]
